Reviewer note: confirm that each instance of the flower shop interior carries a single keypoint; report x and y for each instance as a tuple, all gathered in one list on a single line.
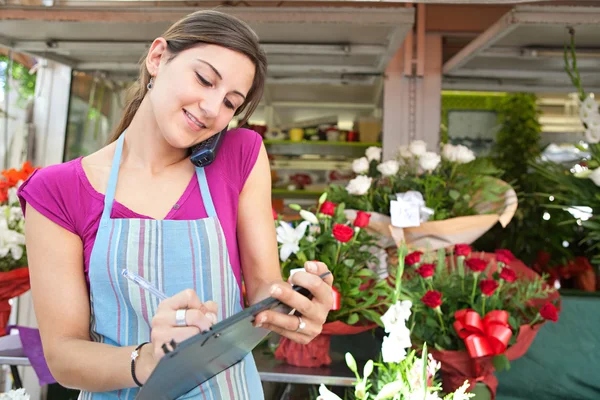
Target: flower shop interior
[(442, 157)]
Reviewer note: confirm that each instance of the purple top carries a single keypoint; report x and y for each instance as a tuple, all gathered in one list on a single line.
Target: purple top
[(63, 194)]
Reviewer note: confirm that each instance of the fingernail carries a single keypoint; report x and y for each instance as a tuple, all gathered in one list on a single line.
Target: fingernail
[(211, 317), (261, 320), (275, 291), (311, 267)]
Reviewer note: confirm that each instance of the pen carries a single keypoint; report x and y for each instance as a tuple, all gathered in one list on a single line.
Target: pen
[(144, 284)]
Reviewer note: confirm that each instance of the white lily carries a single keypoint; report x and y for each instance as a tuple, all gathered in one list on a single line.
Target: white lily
[(310, 217), (595, 176), (398, 313), (290, 238), (588, 109), (326, 394), (390, 390)]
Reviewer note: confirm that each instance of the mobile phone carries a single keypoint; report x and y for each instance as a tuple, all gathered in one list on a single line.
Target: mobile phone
[(204, 153)]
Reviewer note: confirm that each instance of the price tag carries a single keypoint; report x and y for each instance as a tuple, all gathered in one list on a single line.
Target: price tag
[(404, 214)]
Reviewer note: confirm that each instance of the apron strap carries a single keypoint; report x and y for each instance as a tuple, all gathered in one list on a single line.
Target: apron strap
[(209, 206), (109, 197)]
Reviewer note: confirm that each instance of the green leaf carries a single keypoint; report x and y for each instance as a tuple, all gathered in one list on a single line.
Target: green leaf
[(352, 319), (501, 363)]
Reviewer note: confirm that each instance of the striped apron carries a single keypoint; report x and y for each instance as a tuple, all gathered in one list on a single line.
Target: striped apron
[(173, 255)]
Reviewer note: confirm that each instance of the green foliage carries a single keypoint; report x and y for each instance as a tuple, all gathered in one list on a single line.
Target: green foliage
[(20, 74)]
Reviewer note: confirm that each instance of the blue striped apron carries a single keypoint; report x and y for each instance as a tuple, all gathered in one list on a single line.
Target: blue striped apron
[(173, 255)]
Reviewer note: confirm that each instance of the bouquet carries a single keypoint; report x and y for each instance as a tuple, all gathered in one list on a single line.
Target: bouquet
[(419, 189), (401, 374), (14, 275), (18, 394), (360, 296), (476, 311)]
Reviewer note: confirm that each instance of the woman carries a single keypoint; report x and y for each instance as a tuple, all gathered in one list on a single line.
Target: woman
[(123, 207)]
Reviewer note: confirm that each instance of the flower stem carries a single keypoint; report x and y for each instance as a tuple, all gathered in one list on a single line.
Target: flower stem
[(439, 314), (475, 278), (337, 253), (483, 305)]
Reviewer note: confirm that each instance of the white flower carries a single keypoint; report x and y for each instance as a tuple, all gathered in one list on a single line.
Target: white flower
[(404, 151), (418, 395), (397, 313), (359, 185), (373, 153), (417, 147), (390, 390), (12, 196), (18, 394), (308, 216), (461, 393), (592, 133), (588, 110), (290, 238), (10, 241), (389, 168), (415, 374), (429, 161), (459, 154), (595, 176), (360, 165), (326, 394), (393, 348)]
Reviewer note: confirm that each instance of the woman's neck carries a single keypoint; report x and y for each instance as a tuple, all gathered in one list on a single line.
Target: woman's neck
[(145, 146)]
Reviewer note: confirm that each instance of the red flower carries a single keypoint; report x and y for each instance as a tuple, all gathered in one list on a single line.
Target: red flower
[(343, 233), (504, 256), (549, 312), (508, 275), (476, 264), (328, 208), (362, 219), (462, 250), (426, 270), (275, 216), (488, 286), (432, 299), (413, 258)]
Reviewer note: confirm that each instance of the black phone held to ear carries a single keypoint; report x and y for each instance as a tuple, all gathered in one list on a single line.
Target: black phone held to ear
[(204, 153)]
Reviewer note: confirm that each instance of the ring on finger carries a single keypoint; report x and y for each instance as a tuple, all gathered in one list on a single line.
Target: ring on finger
[(180, 317), (301, 325)]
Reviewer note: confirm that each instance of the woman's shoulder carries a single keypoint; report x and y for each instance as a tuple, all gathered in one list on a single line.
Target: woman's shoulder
[(241, 139), (237, 155)]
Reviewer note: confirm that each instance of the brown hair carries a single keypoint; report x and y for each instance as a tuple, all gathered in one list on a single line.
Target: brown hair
[(204, 27)]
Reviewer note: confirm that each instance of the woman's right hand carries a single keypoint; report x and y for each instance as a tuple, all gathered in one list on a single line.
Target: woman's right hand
[(199, 317)]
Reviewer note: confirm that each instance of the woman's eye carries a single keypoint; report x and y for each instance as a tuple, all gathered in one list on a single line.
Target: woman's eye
[(229, 105), (203, 81)]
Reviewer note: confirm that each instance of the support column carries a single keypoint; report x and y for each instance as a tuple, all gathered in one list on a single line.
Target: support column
[(53, 85), (412, 102)]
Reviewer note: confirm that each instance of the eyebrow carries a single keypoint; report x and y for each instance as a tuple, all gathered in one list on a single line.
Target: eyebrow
[(219, 75)]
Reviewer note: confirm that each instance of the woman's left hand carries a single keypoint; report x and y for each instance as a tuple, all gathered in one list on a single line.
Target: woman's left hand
[(313, 312)]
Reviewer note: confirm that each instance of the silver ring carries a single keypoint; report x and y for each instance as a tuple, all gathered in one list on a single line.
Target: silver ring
[(180, 317), (301, 325)]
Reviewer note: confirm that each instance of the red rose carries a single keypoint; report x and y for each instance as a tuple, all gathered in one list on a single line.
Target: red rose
[(462, 250), (275, 216), (426, 270), (504, 256), (508, 275), (328, 208), (362, 219), (476, 264), (549, 312), (343, 233), (432, 299), (488, 286), (413, 258)]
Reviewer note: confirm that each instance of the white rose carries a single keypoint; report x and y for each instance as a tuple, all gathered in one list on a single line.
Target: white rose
[(449, 152), (417, 147), (464, 155), (429, 161), (359, 185), (373, 153), (595, 176), (389, 168), (588, 109), (404, 151), (360, 165)]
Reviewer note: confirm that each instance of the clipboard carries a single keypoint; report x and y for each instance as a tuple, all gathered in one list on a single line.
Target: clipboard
[(201, 357)]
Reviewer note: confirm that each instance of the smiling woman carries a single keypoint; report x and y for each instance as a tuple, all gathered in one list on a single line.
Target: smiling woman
[(193, 232)]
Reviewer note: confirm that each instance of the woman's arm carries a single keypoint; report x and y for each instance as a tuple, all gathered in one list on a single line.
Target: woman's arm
[(260, 263), (62, 307)]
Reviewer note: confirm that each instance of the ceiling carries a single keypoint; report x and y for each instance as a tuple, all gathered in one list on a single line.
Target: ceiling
[(315, 54), (523, 51)]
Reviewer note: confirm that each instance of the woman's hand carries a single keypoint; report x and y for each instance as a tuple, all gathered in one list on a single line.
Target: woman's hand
[(199, 317), (313, 312)]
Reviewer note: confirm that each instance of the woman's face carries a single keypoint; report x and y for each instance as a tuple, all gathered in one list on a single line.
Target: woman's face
[(196, 94)]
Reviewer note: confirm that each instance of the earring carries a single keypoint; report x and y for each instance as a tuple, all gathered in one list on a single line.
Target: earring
[(149, 85)]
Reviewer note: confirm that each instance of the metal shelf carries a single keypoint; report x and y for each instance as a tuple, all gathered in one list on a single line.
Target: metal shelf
[(348, 149)]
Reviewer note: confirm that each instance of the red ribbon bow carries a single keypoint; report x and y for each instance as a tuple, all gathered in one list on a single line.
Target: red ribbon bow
[(489, 336)]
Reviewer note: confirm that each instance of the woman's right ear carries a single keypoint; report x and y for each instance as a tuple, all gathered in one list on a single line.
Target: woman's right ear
[(156, 53)]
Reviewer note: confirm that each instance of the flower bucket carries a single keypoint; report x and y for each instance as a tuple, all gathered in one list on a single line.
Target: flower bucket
[(12, 284), (316, 353)]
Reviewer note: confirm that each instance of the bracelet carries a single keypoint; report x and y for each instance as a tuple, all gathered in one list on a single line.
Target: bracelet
[(134, 355)]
